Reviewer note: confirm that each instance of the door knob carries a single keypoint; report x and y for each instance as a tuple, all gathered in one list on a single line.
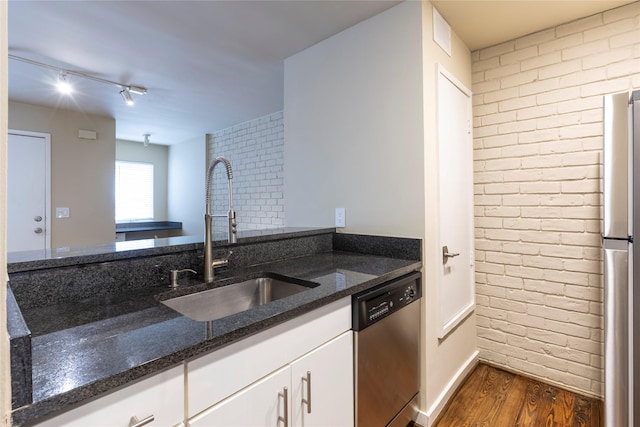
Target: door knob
[(446, 254), (37, 218), (38, 230)]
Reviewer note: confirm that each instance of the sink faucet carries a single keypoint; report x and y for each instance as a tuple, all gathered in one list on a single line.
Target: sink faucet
[(209, 263)]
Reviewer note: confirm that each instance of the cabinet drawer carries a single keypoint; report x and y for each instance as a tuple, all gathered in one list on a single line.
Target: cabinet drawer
[(217, 375), (161, 395)]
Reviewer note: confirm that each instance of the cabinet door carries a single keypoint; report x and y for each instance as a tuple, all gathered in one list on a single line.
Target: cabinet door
[(218, 375), (261, 404), (161, 395), (325, 378)]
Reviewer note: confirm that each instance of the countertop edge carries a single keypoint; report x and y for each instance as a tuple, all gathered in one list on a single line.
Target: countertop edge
[(65, 257)]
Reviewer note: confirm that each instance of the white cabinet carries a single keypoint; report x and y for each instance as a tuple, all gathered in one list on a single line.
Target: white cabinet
[(325, 378), (261, 404), (160, 396), (217, 375)]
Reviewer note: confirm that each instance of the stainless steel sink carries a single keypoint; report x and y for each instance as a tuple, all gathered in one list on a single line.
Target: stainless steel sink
[(246, 293)]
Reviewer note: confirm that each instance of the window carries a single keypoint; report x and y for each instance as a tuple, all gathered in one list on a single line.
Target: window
[(134, 191)]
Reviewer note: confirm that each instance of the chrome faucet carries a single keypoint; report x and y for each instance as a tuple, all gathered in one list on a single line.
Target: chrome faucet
[(209, 263)]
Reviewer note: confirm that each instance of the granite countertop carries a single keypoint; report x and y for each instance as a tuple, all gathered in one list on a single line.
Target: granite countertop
[(102, 344), (67, 256)]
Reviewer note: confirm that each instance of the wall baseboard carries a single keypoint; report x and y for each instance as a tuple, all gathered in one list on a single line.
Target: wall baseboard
[(426, 419)]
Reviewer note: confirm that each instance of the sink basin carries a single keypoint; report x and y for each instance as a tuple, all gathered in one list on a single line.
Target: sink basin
[(246, 293)]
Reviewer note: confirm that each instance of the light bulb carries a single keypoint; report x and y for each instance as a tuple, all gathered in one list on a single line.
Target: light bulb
[(63, 85), (126, 96)]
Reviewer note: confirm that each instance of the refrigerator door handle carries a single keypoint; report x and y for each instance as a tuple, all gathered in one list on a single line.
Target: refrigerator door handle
[(616, 333), (616, 158)]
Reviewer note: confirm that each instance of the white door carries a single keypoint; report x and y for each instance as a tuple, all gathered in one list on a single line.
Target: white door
[(322, 385), (28, 192), (261, 404), (456, 297)]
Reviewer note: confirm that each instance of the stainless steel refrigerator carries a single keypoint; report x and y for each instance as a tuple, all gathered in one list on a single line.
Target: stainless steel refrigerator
[(621, 191)]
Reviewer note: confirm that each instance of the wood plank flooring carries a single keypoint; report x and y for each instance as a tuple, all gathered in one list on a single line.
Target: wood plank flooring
[(491, 397)]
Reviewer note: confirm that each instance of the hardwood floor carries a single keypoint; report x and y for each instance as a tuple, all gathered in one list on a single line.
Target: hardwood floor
[(491, 397)]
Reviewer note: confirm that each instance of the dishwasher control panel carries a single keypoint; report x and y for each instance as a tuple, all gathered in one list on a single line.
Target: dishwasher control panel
[(381, 301)]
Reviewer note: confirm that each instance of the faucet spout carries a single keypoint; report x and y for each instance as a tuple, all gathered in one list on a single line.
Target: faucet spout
[(209, 263)]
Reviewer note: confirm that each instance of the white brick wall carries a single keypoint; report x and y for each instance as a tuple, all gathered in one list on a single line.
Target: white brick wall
[(256, 152), (538, 137)]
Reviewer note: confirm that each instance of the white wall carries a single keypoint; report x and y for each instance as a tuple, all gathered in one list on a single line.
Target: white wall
[(186, 182), (538, 155), (444, 359), (360, 120), (353, 120), (158, 155)]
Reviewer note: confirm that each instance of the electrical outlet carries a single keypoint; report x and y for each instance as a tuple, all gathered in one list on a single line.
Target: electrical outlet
[(340, 217), (62, 212)]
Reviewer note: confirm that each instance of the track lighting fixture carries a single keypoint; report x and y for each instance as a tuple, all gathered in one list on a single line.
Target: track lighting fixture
[(146, 139), (127, 96), (64, 86)]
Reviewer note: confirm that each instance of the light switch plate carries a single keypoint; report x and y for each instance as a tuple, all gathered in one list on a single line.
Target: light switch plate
[(62, 212), (340, 217)]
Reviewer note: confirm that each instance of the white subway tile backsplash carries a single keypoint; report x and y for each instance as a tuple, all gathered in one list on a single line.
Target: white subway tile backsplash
[(256, 152)]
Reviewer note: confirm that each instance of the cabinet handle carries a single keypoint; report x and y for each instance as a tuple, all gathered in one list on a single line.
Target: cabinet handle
[(285, 396), (308, 399), (134, 422)]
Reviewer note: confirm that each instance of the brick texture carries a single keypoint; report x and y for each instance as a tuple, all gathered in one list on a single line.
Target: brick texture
[(256, 152), (538, 165)]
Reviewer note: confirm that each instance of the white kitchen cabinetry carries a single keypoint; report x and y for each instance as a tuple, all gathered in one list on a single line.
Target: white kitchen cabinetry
[(319, 342), (223, 372), (282, 398), (261, 404), (324, 378), (160, 396)]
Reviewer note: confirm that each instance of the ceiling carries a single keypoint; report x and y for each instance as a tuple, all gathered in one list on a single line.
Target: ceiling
[(483, 23), (209, 65)]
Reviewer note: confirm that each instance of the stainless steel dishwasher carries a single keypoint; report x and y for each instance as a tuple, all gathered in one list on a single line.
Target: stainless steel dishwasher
[(386, 321)]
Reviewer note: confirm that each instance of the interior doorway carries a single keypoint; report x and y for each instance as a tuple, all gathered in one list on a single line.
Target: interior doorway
[(456, 290), (28, 191)]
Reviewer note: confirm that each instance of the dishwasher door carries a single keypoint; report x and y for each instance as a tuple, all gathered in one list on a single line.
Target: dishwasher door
[(387, 362)]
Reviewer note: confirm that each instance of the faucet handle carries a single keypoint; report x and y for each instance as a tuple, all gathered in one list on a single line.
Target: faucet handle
[(222, 261), (174, 276)]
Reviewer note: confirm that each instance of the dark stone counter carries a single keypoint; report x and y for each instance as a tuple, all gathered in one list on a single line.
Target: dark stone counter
[(84, 347), (61, 257)]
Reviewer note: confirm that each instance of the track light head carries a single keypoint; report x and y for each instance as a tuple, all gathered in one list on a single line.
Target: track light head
[(63, 85), (127, 96), (137, 90)]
